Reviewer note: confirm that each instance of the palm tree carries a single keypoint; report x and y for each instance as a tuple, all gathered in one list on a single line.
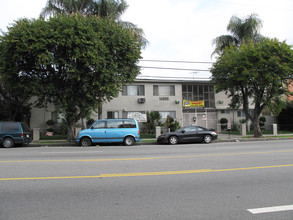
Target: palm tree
[(242, 30), (55, 7), (111, 9)]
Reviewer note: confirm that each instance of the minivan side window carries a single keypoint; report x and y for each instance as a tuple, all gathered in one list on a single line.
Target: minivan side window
[(115, 124), (99, 125), (129, 124), (10, 127)]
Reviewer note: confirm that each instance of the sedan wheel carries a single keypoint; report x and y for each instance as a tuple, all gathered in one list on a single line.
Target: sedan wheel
[(207, 139), (85, 142), (8, 142), (173, 140)]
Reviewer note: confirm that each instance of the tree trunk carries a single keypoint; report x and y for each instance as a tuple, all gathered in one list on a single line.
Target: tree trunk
[(256, 126), (100, 108), (70, 131)]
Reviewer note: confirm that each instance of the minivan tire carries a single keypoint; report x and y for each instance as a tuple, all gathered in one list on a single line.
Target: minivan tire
[(8, 142), (128, 141), (85, 142)]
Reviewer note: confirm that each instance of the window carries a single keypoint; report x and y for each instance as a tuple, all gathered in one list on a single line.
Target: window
[(225, 111), (112, 115), (190, 129), (187, 92), (10, 127), (198, 93), (164, 90), (129, 124), (99, 125), (164, 115), (115, 124), (240, 114), (133, 90)]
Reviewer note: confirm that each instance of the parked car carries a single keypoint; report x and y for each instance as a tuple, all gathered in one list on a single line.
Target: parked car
[(110, 130), (188, 134), (12, 133)]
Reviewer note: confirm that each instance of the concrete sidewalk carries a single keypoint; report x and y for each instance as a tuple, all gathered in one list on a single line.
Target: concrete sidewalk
[(238, 138), (221, 138)]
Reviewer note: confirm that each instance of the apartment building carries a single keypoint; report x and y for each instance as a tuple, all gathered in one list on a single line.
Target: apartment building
[(166, 96)]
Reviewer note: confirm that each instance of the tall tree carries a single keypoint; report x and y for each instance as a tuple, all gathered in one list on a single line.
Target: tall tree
[(14, 103), (242, 30), (56, 7), (105, 9), (110, 9), (255, 71), (76, 62)]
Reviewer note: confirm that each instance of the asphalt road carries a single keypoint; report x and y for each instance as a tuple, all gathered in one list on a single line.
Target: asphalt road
[(245, 180)]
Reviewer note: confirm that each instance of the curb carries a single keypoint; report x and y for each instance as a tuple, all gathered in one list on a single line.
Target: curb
[(67, 144)]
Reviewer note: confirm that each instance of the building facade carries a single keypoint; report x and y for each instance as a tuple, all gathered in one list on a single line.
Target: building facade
[(166, 97)]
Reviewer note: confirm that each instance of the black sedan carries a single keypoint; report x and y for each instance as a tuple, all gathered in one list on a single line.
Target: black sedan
[(187, 135)]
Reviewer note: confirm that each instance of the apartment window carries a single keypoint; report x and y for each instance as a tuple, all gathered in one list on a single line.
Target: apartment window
[(225, 111), (133, 90), (199, 92), (112, 115), (164, 115), (164, 90), (241, 114), (187, 92)]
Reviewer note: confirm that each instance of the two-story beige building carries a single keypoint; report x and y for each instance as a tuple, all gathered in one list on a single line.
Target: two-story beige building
[(165, 96)]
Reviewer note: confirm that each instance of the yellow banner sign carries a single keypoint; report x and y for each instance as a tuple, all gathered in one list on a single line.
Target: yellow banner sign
[(189, 103)]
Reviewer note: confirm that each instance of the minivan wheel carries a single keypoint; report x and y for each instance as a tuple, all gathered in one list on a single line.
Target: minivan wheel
[(85, 142), (207, 139), (128, 141), (8, 142), (173, 140)]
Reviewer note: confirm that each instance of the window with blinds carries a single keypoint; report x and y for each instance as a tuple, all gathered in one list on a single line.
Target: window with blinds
[(163, 90), (133, 90)]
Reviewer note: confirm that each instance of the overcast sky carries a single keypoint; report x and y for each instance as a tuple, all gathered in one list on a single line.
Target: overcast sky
[(180, 30)]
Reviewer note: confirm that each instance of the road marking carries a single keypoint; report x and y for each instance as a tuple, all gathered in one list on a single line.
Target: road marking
[(271, 209), (146, 158), (147, 173)]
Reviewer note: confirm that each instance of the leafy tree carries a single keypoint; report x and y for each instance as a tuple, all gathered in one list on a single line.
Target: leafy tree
[(14, 105), (73, 61), (242, 30), (255, 71)]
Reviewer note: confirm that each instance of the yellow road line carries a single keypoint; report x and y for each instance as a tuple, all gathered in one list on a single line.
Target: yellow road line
[(145, 158), (148, 173)]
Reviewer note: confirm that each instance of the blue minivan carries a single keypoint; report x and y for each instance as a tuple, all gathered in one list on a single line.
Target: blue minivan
[(110, 131)]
